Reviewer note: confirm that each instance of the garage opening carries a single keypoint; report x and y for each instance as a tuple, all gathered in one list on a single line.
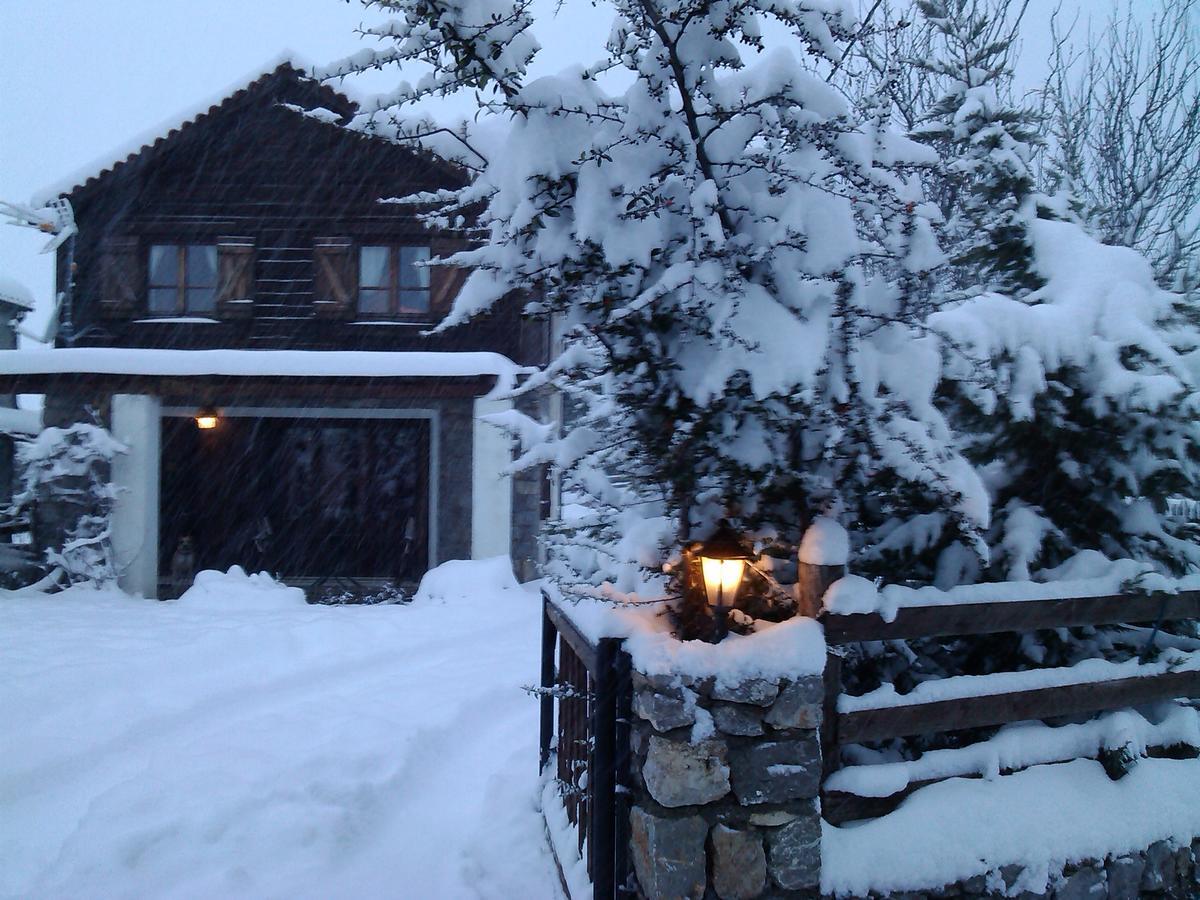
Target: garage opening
[(301, 498)]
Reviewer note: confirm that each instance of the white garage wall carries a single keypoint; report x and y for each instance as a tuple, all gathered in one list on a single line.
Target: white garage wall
[(491, 486), (135, 423)]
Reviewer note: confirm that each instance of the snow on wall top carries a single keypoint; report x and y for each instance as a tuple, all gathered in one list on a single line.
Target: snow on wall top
[(775, 650), (15, 293), (151, 138), (288, 363)]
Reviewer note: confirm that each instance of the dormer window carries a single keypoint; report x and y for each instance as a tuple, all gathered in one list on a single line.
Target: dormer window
[(182, 279), (391, 284)]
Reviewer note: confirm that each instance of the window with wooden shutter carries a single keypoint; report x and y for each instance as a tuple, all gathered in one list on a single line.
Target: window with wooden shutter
[(121, 280), (445, 281), (235, 282), (335, 278)]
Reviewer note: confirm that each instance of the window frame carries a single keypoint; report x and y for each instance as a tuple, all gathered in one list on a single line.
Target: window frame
[(181, 286), (395, 290)]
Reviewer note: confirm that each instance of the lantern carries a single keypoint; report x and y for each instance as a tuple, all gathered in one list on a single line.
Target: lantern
[(723, 559), (207, 418)]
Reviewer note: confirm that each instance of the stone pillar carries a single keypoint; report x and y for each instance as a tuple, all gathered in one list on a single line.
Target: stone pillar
[(726, 780)]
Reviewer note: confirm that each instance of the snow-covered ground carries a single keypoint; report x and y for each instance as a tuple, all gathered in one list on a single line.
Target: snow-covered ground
[(239, 743)]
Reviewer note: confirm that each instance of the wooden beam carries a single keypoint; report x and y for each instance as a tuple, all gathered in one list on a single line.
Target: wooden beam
[(225, 389), (838, 807), (998, 709), (832, 679), (1021, 615), (586, 651)]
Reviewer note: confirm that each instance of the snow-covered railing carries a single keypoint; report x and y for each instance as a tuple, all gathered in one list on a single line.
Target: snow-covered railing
[(944, 620), (587, 740), (1183, 508), (972, 701)]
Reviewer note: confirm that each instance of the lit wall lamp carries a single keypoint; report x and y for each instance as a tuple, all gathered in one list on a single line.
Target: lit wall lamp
[(207, 418), (723, 559)]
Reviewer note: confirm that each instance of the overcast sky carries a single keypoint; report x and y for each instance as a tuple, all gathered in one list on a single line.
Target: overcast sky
[(80, 79)]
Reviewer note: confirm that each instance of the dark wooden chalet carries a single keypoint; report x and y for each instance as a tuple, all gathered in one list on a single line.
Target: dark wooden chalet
[(256, 227)]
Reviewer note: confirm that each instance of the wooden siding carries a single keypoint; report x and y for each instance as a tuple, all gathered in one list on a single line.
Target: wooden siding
[(268, 175)]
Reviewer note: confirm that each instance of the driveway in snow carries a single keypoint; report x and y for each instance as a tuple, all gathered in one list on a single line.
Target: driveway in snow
[(237, 743)]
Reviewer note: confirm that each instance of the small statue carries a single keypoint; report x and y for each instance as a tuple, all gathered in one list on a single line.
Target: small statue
[(263, 537), (183, 565)]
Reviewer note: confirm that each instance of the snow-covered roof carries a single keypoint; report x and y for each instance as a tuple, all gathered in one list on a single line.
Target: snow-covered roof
[(260, 363), (15, 293), (151, 139)]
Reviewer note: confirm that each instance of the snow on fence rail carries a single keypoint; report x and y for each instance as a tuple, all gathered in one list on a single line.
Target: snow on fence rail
[(972, 701)]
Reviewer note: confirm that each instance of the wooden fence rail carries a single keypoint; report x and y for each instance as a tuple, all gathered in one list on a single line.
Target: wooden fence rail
[(999, 709), (989, 708), (1018, 615)]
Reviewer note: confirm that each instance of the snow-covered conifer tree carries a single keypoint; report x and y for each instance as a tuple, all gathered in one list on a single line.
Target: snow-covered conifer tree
[(986, 141), (69, 467), (719, 238), (1067, 381)]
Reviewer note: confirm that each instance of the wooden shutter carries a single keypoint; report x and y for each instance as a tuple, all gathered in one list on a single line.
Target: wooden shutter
[(335, 278), (122, 283), (444, 281), (235, 277)]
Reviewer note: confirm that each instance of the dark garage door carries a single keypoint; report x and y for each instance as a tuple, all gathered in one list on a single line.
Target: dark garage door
[(298, 497)]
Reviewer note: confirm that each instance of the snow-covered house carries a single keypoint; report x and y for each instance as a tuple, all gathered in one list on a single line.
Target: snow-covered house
[(241, 265)]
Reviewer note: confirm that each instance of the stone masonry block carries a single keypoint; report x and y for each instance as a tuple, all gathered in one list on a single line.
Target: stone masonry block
[(755, 691), (1087, 883), (777, 771), (737, 718), (798, 705), (668, 855), (794, 853), (685, 774), (665, 712), (1125, 877), (1160, 868), (739, 865)]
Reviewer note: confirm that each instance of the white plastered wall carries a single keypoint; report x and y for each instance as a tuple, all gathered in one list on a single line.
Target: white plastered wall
[(135, 423), (491, 485)]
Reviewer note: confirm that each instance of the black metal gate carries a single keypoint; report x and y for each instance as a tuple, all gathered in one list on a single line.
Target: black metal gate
[(589, 741)]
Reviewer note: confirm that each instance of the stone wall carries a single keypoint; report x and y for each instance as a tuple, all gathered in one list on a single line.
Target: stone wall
[(725, 786), (1162, 871)]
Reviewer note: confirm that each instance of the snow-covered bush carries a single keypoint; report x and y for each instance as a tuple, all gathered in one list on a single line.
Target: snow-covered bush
[(68, 469), (1088, 425)]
